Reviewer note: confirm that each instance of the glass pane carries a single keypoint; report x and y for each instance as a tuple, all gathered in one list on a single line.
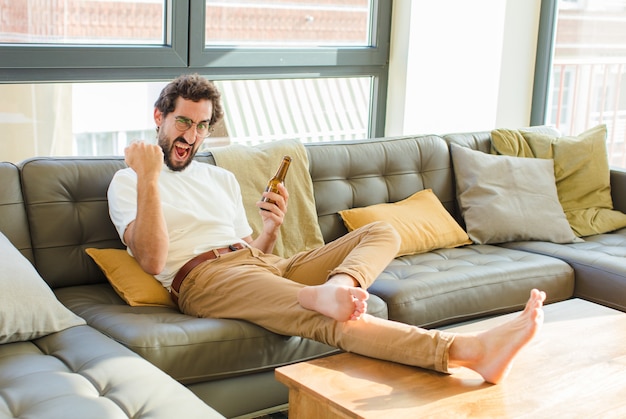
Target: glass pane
[(286, 23), (96, 22), (96, 119), (80, 119), (588, 80), (310, 110)]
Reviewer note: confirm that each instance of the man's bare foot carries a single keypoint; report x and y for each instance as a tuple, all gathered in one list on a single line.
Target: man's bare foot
[(339, 302), (491, 353)]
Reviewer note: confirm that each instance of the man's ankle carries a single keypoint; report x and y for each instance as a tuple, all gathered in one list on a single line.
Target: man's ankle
[(344, 280)]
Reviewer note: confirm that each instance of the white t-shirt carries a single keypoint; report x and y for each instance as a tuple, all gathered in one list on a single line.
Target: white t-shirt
[(202, 206)]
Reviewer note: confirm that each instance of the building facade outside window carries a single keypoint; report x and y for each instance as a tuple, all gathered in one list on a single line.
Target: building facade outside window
[(587, 74)]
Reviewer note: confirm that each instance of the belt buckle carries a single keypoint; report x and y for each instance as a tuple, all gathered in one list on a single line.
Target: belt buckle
[(232, 247)]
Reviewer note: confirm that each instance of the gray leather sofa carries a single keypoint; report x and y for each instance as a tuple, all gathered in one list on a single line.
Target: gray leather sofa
[(56, 207)]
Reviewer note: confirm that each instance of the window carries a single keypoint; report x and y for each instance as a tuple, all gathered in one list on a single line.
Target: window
[(287, 68), (581, 70), (311, 110), (83, 22), (287, 23)]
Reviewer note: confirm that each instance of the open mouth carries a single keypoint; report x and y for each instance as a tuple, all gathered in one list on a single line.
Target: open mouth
[(181, 149)]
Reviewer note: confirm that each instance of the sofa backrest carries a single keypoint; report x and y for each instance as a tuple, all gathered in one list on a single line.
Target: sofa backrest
[(13, 221), (64, 198), (354, 174), (66, 205), (67, 208)]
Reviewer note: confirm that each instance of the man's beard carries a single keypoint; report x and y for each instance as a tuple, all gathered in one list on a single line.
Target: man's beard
[(168, 148)]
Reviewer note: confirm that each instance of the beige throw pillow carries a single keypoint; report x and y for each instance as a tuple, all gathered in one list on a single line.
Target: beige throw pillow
[(505, 199)]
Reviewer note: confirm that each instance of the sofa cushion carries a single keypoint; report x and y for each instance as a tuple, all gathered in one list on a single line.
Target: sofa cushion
[(192, 349), (66, 203), (129, 280), (353, 174), (481, 140), (253, 167), (506, 199), (13, 221), (451, 285), (598, 262), (79, 373), (581, 170), (28, 307), (421, 220)]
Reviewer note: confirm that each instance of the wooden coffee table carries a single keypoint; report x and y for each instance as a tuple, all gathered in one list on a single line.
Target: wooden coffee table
[(575, 367)]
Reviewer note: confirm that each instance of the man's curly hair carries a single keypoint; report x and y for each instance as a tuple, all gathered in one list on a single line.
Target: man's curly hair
[(191, 87)]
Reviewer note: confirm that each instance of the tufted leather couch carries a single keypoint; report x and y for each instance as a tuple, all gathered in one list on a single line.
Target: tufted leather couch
[(54, 208)]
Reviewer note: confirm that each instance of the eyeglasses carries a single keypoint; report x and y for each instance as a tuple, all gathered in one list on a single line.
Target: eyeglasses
[(183, 124)]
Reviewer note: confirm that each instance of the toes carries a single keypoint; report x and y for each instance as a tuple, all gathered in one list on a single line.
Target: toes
[(360, 308), (359, 293), (356, 315), (359, 305)]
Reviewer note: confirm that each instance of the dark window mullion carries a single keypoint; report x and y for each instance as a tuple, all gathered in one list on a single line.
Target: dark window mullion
[(543, 62)]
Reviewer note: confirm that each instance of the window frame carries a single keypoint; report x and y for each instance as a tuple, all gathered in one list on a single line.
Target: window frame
[(543, 62), (228, 56), (184, 52), (30, 63)]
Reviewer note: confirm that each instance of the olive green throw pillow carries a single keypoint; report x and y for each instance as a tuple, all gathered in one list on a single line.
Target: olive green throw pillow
[(581, 171), (505, 199)]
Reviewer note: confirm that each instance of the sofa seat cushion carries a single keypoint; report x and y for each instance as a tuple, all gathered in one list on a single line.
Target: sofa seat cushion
[(451, 285), (598, 263), (80, 373), (191, 349)]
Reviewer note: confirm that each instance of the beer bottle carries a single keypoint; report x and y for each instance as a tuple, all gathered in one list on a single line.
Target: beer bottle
[(279, 177)]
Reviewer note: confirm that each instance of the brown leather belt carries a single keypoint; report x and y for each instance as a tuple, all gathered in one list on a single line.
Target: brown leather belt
[(192, 263)]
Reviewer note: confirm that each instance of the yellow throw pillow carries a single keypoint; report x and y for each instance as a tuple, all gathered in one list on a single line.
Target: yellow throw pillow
[(130, 281), (421, 220), (581, 170)]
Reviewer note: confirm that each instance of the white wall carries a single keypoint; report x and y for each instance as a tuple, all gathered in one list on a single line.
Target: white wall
[(459, 65)]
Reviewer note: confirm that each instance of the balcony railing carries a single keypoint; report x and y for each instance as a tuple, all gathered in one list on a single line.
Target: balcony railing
[(585, 94)]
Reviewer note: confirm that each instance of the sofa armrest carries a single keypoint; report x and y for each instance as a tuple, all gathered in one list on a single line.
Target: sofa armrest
[(618, 188)]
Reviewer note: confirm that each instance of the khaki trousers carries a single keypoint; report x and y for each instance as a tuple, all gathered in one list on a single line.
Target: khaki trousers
[(262, 289)]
